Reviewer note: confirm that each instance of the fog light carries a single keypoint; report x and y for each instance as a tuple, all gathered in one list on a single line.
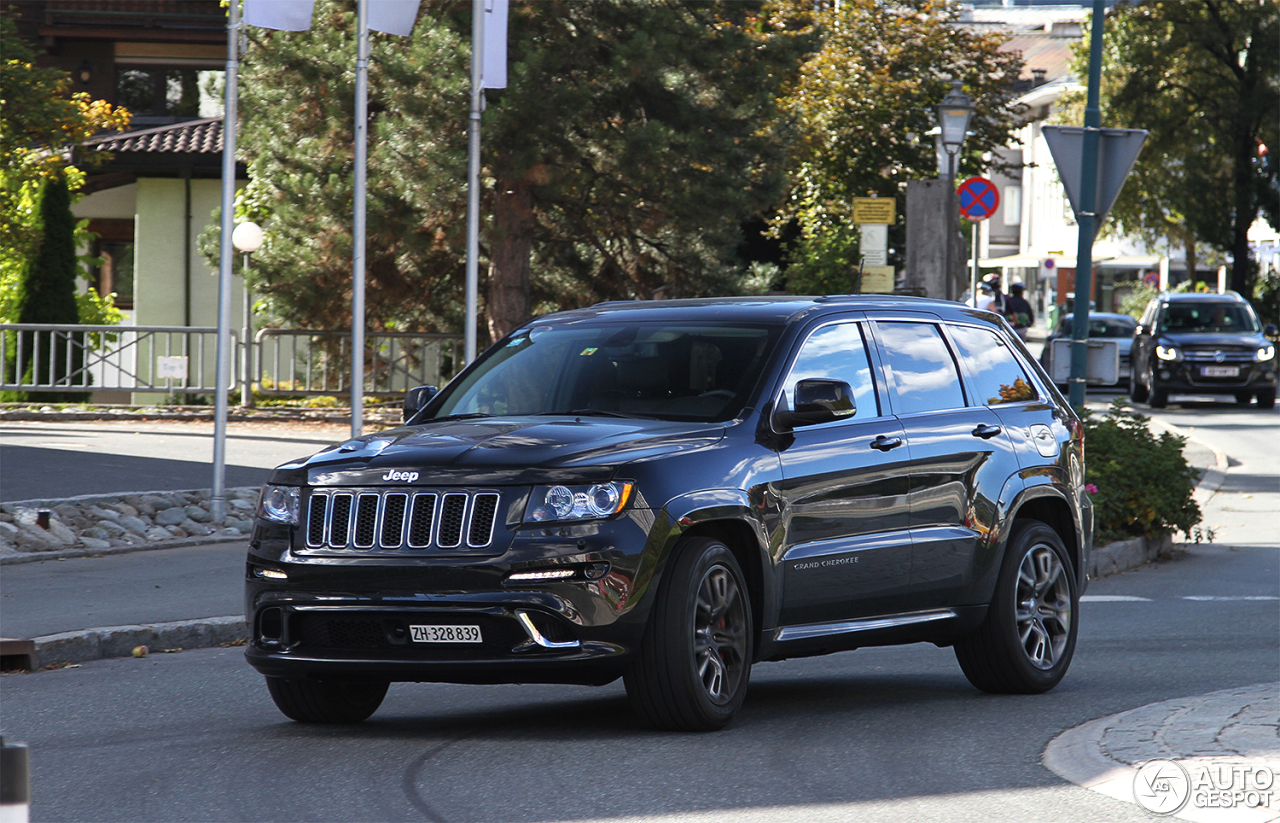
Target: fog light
[(270, 625), (1164, 375), (269, 574)]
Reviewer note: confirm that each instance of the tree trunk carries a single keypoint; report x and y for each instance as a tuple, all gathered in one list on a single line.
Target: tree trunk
[(510, 248), (1191, 261), (1245, 212)]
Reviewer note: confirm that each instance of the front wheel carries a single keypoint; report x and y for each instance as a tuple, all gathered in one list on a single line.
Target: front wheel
[(327, 701), (1159, 396), (1026, 642), (1267, 398), (693, 665)]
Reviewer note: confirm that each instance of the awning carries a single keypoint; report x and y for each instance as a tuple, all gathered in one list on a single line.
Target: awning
[(1033, 261)]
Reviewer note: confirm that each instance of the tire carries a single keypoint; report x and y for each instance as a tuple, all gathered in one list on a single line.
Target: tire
[(692, 669), (327, 701), (1025, 644), (1137, 391), (1267, 398), (1243, 398), (1159, 396)]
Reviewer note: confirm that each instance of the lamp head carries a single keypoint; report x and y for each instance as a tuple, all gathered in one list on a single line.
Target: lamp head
[(247, 237)]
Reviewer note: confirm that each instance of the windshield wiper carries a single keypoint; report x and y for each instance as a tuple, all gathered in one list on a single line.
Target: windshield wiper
[(466, 416), (591, 413)]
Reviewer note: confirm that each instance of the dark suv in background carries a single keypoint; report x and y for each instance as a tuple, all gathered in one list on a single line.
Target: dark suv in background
[(1202, 344), (671, 491)]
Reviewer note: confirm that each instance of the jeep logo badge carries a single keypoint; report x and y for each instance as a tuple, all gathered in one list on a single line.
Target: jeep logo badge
[(407, 477)]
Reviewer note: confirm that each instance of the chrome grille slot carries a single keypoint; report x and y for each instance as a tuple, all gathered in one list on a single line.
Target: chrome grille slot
[(424, 512), (340, 520), (366, 519), (452, 513), (393, 513), (483, 509)]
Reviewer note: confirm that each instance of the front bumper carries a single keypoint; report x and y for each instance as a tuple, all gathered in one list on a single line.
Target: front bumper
[(350, 614), (1212, 378)]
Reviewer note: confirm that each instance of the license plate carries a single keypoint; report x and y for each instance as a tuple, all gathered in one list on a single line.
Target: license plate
[(445, 634), (1220, 371)]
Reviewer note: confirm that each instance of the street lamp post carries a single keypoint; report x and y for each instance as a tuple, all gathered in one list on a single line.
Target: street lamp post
[(247, 238), (953, 122)]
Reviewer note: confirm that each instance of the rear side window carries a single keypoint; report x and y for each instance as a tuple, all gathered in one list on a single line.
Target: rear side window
[(995, 374), (922, 374), (837, 353)]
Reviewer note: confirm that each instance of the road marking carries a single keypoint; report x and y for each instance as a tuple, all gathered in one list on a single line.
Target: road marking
[(1228, 597), (1113, 598), (1128, 598)]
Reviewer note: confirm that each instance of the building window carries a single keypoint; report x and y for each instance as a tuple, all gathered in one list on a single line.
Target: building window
[(162, 94), (114, 247), (1012, 202)]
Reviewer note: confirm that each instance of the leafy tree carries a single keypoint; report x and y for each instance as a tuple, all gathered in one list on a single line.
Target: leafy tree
[(862, 104), (41, 122), (1203, 76), (633, 139)]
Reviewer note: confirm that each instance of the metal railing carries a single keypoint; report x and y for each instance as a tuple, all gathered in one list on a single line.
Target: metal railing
[(309, 362), (44, 357), (50, 357)]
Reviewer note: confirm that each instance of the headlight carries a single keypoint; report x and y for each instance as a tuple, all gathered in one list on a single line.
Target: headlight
[(1266, 352), (1167, 353), (279, 504), (553, 503)]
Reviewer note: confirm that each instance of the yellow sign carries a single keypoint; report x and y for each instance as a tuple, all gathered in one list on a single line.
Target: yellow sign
[(873, 210), (877, 279)]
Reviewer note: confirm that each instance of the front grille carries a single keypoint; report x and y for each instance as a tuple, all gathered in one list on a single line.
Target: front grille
[(382, 520), (1211, 355)]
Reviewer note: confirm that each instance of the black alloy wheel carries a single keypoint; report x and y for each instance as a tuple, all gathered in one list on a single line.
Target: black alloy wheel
[(1026, 642), (693, 666)]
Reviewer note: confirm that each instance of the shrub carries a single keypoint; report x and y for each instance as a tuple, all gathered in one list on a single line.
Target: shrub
[(1144, 483)]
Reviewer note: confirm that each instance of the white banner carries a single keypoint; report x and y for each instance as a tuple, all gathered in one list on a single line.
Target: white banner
[(393, 16), (286, 15), (493, 56)]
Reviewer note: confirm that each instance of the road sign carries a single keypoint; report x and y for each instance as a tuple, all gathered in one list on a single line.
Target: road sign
[(979, 198), (873, 210), (1117, 149)]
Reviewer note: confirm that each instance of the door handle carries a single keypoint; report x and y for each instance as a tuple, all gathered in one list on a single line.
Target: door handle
[(986, 431), (885, 443)]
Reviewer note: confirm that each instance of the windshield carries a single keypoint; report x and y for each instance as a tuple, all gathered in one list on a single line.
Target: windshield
[(664, 370), (1210, 318), (1118, 326)]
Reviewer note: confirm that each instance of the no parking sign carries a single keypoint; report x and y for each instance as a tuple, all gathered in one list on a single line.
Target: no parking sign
[(979, 198)]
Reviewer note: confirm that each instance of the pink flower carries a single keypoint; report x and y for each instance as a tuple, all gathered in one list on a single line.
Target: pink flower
[(1090, 488)]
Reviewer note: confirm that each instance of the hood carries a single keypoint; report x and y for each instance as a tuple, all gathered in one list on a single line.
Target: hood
[(508, 450)]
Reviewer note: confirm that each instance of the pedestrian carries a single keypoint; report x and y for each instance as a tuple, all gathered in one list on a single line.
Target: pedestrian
[(1018, 310), (992, 299)]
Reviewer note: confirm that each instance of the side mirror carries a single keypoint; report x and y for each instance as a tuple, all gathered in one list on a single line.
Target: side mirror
[(1270, 330), (818, 401), (415, 399)]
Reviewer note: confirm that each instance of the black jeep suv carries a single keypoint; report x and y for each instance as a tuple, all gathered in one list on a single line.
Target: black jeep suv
[(1202, 344), (671, 491)]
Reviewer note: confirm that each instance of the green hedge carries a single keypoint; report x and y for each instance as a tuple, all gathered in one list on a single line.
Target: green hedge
[(1143, 482)]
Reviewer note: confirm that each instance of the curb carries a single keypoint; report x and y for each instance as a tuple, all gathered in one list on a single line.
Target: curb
[(72, 554), (119, 641), (1076, 756)]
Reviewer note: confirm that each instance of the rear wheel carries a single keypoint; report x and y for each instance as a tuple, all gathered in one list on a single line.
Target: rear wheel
[(1267, 398), (1137, 391), (692, 669), (327, 701), (1026, 642)]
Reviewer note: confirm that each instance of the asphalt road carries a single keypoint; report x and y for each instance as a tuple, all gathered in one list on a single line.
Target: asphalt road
[(56, 460), (892, 734)]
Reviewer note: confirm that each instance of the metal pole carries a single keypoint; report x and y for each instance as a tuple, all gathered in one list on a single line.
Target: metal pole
[(951, 223), (15, 782), (358, 230), (1085, 218), (973, 273), (218, 503), (246, 382), (473, 180)]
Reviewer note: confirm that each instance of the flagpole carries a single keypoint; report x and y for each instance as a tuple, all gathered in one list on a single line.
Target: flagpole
[(473, 180), (226, 258), (358, 229)]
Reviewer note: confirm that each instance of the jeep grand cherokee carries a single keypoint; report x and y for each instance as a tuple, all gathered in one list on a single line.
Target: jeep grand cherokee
[(669, 492)]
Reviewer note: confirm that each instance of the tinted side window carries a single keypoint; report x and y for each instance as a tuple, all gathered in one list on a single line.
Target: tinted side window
[(995, 374), (922, 374), (837, 352)]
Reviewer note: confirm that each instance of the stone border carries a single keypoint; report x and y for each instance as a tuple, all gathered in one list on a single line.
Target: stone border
[(120, 641), (1127, 554)]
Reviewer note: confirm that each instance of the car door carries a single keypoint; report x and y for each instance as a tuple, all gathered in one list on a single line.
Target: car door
[(960, 456), (846, 551)]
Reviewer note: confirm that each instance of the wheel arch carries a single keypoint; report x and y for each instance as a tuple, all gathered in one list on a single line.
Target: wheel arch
[(1048, 507)]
